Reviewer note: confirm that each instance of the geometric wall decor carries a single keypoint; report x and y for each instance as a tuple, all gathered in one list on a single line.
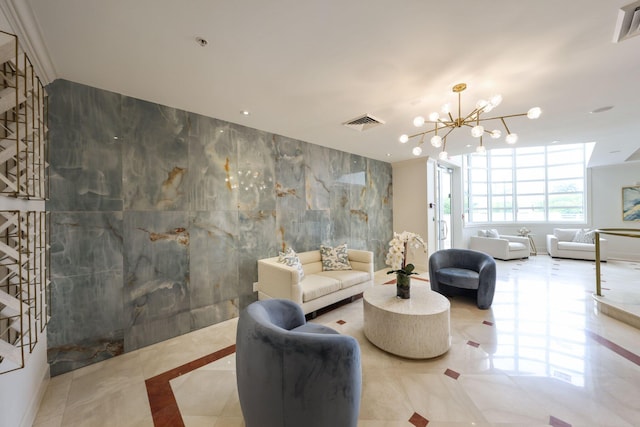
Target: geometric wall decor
[(23, 100), (24, 280), (24, 285)]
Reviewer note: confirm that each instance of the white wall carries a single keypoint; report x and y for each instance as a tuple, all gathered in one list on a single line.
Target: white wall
[(606, 191), (410, 204), (21, 391)]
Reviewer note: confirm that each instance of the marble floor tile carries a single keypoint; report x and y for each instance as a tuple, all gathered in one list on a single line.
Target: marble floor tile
[(542, 355)]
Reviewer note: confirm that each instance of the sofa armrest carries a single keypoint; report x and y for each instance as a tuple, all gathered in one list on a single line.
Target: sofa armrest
[(552, 245), (496, 247), (516, 239), (279, 280), (361, 260)]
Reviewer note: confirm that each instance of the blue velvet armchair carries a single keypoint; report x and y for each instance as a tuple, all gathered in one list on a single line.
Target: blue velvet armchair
[(291, 373), (464, 269)]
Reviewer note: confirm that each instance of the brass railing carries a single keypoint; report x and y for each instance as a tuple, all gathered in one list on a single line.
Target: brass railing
[(624, 232)]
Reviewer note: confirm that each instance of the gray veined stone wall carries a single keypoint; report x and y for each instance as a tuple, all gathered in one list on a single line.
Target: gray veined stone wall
[(157, 233)]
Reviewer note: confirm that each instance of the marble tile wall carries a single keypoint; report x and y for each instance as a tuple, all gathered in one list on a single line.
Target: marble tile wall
[(159, 215)]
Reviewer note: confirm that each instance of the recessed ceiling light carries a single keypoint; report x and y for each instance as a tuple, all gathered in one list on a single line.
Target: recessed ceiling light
[(388, 154), (602, 109), (202, 42), (244, 112)]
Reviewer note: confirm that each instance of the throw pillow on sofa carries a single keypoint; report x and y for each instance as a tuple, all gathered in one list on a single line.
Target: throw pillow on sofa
[(335, 258), (493, 233), (585, 236), (290, 258)]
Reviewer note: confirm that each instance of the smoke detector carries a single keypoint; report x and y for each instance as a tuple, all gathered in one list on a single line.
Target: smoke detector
[(628, 23), (364, 122)]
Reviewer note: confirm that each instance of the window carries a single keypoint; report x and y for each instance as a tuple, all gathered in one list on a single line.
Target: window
[(529, 184)]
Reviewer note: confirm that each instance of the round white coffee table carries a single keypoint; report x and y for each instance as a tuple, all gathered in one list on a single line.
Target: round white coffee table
[(416, 328)]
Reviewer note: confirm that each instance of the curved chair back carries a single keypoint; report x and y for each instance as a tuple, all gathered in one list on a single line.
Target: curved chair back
[(290, 373), (464, 268)]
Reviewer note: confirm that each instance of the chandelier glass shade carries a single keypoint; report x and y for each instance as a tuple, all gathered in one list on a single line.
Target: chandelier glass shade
[(444, 124)]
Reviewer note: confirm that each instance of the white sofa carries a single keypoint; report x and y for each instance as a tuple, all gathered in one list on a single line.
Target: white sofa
[(562, 244), (317, 288), (503, 247)]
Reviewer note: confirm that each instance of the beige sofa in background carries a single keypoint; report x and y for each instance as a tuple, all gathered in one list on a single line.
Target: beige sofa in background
[(503, 247), (561, 244), (318, 288)]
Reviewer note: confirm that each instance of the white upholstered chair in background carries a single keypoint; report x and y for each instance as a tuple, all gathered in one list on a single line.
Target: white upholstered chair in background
[(500, 246)]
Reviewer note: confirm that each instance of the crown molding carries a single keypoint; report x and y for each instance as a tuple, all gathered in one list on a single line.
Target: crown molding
[(24, 24)]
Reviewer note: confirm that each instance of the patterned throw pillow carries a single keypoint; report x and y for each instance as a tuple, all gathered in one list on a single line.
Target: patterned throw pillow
[(585, 236), (493, 233), (290, 258), (335, 258)]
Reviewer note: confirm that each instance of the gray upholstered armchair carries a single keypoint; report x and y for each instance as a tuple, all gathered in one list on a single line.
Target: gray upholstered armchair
[(465, 269), (291, 373)]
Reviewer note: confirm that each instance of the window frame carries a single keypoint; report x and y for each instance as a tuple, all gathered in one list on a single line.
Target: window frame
[(575, 156)]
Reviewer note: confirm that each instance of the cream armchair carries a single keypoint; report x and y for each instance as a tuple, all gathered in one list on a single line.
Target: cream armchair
[(503, 247)]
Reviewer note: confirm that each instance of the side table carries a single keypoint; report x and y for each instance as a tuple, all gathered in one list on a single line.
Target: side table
[(532, 244)]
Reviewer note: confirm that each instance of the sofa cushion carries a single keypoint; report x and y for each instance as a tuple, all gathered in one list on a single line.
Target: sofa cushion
[(573, 246), (314, 286), (459, 277), (347, 278), (335, 258), (516, 246), (565, 234), (290, 258)]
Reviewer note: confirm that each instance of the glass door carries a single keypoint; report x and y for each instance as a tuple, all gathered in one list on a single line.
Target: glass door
[(444, 178)]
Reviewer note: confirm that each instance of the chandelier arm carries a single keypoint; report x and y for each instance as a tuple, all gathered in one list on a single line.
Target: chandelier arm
[(504, 117), (451, 119), (444, 138), (505, 125), (421, 133), (477, 111), (443, 123)]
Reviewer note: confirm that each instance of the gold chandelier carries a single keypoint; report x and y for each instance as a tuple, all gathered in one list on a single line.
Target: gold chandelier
[(447, 123)]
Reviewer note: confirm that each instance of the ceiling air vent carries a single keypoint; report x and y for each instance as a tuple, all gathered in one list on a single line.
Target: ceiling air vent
[(363, 122), (628, 24)]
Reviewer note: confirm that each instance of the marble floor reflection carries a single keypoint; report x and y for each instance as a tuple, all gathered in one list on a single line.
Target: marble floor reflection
[(542, 355)]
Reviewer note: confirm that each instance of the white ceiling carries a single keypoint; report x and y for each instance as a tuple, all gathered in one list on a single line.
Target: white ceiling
[(303, 67)]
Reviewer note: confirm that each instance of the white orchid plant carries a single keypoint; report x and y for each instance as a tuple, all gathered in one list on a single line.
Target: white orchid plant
[(397, 255)]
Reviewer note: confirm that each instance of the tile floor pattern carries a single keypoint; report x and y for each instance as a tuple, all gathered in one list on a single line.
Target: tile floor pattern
[(540, 356)]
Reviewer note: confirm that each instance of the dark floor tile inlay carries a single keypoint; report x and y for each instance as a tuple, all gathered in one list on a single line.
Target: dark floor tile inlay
[(632, 357), (164, 407), (473, 344), (486, 322), (341, 322), (451, 373), (418, 420)]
